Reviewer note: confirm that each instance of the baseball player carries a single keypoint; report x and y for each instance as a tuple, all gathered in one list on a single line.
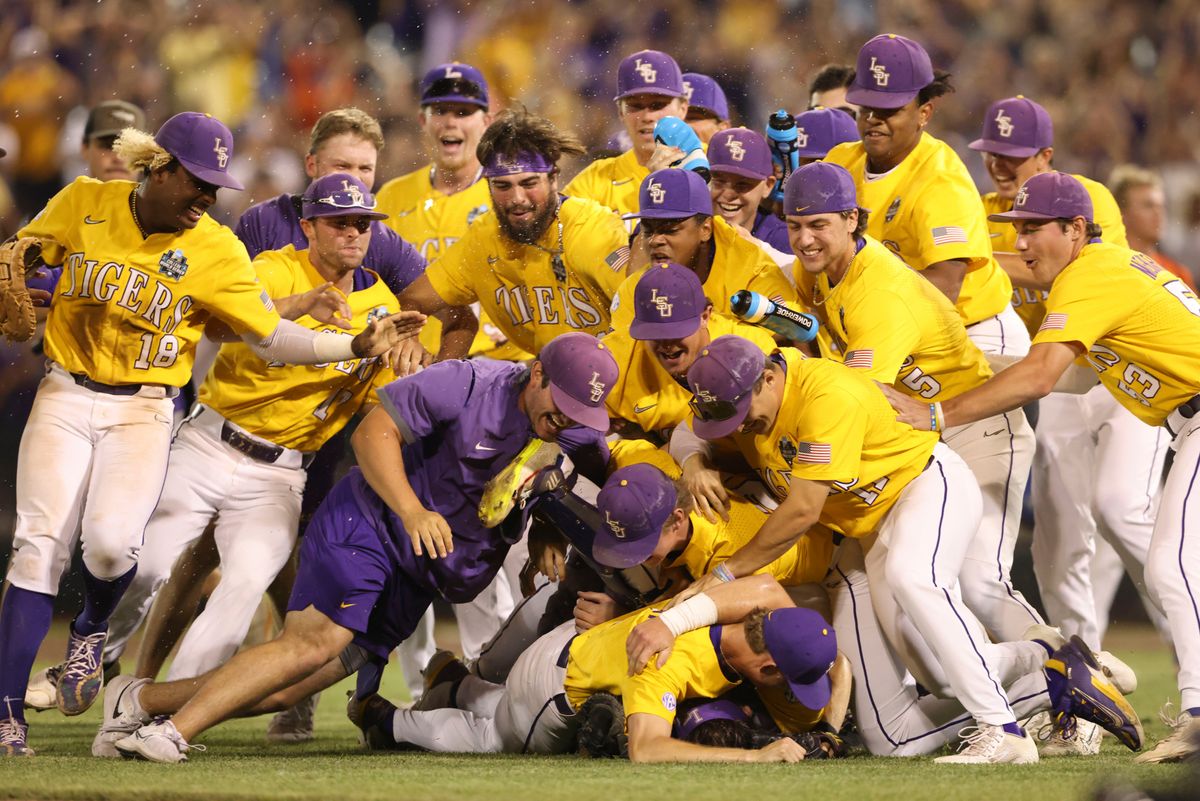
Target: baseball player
[(820, 130), (144, 264), (708, 110), (540, 264), (397, 531), (1139, 195), (649, 87), (104, 122), (1135, 325), (742, 178), (925, 206), (829, 86)]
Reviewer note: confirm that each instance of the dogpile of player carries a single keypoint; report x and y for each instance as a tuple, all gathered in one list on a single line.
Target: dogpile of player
[(720, 449)]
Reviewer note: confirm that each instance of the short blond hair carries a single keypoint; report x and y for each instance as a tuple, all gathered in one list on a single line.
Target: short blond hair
[(139, 151), (1126, 177), (342, 121)]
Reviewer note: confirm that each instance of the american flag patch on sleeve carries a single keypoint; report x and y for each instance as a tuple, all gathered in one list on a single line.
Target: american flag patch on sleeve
[(1055, 321), (948, 234), (814, 452), (266, 299), (618, 259), (863, 358)]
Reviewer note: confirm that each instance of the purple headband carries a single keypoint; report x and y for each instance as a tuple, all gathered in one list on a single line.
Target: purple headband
[(499, 165)]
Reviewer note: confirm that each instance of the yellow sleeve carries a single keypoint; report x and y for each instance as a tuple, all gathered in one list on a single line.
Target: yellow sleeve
[(53, 224), (770, 281), (1107, 214), (881, 334), (450, 273), (1078, 311), (278, 279), (829, 437), (948, 222), (584, 184), (236, 296)]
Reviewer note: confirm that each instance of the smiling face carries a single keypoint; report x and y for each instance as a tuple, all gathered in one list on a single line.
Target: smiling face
[(677, 240), (1009, 172), (889, 135), (1047, 249), (676, 356), (452, 131), (524, 204), (545, 418), (823, 242), (348, 153), (736, 197), (640, 113)]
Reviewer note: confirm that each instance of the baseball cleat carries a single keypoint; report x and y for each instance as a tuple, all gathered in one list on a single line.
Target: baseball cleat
[(443, 667), (42, 691), (82, 674), (157, 742), (991, 745), (1081, 739), (123, 715), (373, 717), (512, 485), (1047, 636), (1078, 687), (1182, 743), (1119, 673), (294, 725), (14, 736)]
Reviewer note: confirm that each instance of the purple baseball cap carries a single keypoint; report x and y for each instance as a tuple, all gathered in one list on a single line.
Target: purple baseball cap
[(202, 144), (890, 71), (1016, 126), (649, 72), (582, 372), (338, 194), (722, 380), (740, 151), (454, 83), (704, 710), (705, 93), (1048, 196), (671, 194), (819, 188), (820, 130), (804, 648), (667, 303), (636, 502)]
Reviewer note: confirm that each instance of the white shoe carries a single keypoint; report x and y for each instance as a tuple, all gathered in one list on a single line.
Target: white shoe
[(1119, 673), (157, 742), (1181, 743), (992, 745), (1045, 634), (1083, 740), (123, 715), (42, 692), (294, 725)]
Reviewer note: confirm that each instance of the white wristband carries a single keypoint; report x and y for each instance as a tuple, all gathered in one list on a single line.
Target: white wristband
[(694, 613), (333, 347)]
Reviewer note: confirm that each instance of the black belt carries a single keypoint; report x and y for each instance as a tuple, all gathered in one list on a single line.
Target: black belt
[(1186, 410), (115, 389), (261, 451)]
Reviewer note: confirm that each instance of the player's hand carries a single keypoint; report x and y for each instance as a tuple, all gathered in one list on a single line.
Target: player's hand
[(383, 334), (908, 410), (664, 156), (429, 532), (782, 750), (648, 638), (407, 356), (705, 582), (327, 305), (551, 560), (707, 490), (592, 609)]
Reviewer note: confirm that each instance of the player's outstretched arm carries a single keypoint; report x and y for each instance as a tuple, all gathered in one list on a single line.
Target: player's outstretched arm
[(650, 740), (459, 323), (294, 344)]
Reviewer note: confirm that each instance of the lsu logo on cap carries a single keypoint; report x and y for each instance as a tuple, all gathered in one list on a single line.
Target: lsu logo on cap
[(687, 90), (1004, 125), (657, 193), (451, 72), (222, 153), (879, 71), (704, 396), (1022, 197), (646, 70), (737, 151), (801, 137), (356, 195), (662, 303), (616, 528), (597, 386)]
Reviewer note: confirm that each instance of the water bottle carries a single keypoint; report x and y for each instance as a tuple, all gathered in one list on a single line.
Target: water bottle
[(782, 137), (674, 132), (792, 325)]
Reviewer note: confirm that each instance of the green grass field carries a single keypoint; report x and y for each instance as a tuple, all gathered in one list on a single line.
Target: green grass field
[(240, 765)]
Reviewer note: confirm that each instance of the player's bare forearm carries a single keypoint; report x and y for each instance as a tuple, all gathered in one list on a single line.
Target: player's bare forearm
[(947, 276), (650, 740), (799, 512), (1018, 271), (841, 681), (735, 600), (459, 326), (376, 444), (1029, 379)]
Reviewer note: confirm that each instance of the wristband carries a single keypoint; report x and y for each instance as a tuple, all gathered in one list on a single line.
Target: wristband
[(333, 347), (694, 613), (937, 420), (723, 573)]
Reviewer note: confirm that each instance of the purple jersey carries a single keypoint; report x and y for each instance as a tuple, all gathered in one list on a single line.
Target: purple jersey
[(772, 230), (274, 224)]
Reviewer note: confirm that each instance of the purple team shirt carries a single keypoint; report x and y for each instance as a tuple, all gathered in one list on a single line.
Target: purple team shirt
[(275, 224), (772, 230)]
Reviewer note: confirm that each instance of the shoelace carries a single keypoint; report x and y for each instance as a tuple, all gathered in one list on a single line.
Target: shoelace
[(11, 732), (81, 662), (1171, 719), (172, 734), (976, 738)]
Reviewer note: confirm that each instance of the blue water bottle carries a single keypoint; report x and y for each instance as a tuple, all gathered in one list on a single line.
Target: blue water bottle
[(782, 137), (792, 325)]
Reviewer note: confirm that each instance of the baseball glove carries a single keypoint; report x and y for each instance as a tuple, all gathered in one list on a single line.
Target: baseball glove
[(602, 732), (821, 743), (18, 258)]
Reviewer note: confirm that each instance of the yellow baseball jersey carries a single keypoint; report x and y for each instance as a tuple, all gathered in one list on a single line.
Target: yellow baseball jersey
[(1030, 304), (894, 326), (645, 393), (128, 309), (298, 406), (515, 283), (597, 664), (737, 264), (835, 426), (432, 222), (712, 543), (927, 210), (612, 182), (1139, 324)]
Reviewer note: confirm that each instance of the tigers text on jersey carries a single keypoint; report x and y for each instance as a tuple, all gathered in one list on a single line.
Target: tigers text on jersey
[(299, 406), (1030, 304), (516, 285), (835, 426), (927, 210), (612, 182), (129, 310), (894, 326), (1139, 324)]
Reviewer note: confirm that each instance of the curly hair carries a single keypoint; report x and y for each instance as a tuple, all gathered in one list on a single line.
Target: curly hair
[(139, 151), (516, 131), (753, 625)]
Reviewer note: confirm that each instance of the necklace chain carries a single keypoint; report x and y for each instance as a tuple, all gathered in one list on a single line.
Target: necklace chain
[(133, 208)]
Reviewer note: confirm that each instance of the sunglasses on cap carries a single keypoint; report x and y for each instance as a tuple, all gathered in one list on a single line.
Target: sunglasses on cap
[(346, 199), (454, 87), (716, 410)]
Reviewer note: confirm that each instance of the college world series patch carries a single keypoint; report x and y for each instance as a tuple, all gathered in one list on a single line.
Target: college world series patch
[(173, 264)]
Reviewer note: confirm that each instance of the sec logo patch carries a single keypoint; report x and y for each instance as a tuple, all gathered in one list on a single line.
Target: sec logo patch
[(668, 701)]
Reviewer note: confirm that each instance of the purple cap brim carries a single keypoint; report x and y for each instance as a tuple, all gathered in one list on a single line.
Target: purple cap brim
[(469, 101), (814, 696), (742, 171), (715, 429), (210, 176), (1009, 216), (1002, 148), (660, 214), (622, 554), (594, 417), (872, 98), (652, 330)]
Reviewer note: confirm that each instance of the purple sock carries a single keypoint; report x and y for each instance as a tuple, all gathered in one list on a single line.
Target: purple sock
[(24, 620), (99, 600), (1014, 729), (1194, 711)]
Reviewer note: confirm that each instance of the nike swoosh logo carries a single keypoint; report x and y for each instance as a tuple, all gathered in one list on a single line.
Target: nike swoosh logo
[(405, 213), (618, 183), (346, 605), (89, 221), (481, 447), (993, 433), (640, 409), (994, 236), (117, 706)]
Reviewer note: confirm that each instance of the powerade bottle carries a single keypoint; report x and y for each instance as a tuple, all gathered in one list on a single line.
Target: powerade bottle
[(792, 325), (782, 137), (675, 132)]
